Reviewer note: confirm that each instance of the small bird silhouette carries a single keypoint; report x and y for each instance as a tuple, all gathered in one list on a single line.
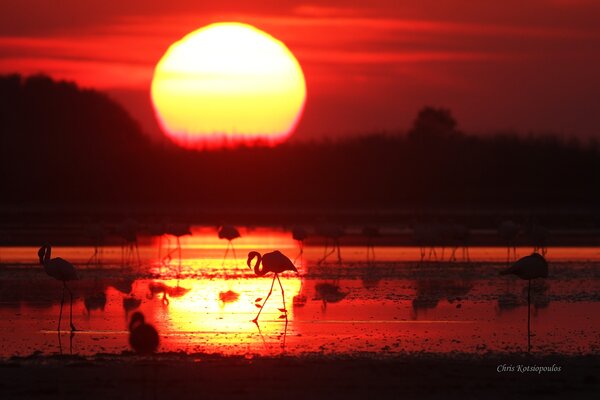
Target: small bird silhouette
[(143, 337), (529, 267), (61, 270), (229, 232), (275, 262)]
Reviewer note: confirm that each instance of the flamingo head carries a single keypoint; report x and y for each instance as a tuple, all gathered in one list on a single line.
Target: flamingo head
[(137, 319), (251, 256), (42, 252)]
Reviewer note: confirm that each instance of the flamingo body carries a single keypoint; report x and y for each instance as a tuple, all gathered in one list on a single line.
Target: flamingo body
[(275, 262), (530, 267), (299, 233), (228, 232)]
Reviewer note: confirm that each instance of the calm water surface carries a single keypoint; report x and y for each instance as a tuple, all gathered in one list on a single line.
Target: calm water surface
[(202, 303)]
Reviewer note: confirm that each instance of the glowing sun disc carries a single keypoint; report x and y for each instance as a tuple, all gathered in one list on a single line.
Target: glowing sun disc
[(227, 84)]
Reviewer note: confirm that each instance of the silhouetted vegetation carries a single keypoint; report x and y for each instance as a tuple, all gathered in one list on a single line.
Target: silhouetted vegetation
[(64, 145)]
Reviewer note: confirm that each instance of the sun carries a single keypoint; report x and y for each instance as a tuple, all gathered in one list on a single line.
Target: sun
[(228, 84)]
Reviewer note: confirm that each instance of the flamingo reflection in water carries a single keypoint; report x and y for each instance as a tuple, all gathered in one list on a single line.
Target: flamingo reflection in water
[(277, 263), (329, 293), (166, 291), (530, 267), (63, 271)]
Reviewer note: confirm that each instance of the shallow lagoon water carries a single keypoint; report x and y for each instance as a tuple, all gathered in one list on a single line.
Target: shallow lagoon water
[(394, 304)]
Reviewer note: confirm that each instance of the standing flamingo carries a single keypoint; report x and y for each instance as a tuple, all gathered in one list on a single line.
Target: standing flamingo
[(371, 233), (331, 232), (509, 231), (299, 234), (275, 262), (529, 267), (63, 271), (142, 336), (229, 232)]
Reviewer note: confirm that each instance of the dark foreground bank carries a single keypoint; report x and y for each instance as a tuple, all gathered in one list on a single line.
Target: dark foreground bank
[(200, 376)]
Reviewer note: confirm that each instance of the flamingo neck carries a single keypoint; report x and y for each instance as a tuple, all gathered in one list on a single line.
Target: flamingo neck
[(46, 256), (257, 267)]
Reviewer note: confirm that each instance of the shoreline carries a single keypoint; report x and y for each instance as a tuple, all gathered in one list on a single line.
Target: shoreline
[(178, 375)]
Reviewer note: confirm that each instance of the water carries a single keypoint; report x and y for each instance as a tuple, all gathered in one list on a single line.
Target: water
[(203, 303)]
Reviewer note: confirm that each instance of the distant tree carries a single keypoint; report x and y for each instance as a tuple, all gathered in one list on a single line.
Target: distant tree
[(433, 123)]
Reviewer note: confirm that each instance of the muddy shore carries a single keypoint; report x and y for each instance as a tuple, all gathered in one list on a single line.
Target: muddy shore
[(201, 376)]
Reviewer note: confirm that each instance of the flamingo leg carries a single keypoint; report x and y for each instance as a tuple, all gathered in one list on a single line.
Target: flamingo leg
[(282, 293), (70, 309), (326, 255), (255, 320), (339, 251), (233, 251), (225, 256), (179, 265), (62, 301)]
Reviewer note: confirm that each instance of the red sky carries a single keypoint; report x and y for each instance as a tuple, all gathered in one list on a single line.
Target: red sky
[(369, 66)]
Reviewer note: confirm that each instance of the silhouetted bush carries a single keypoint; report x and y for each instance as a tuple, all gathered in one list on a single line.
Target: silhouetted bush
[(64, 145)]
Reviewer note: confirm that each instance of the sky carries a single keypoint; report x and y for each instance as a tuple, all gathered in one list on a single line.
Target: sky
[(369, 65)]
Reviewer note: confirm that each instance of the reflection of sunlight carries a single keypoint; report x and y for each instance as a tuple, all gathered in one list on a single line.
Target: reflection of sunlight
[(203, 252), (203, 312)]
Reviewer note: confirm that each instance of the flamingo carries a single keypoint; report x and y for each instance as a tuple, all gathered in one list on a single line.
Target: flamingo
[(275, 262), (371, 233), (97, 233), (229, 232), (62, 270), (509, 231), (529, 267), (177, 230), (334, 233), (128, 230), (143, 337), (299, 234)]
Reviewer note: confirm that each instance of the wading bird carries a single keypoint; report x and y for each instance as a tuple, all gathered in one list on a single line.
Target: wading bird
[(229, 232), (275, 262), (530, 267), (371, 233), (333, 233), (143, 337), (63, 271), (509, 231), (299, 234)]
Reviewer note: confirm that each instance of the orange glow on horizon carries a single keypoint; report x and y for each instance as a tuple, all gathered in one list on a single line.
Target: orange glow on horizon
[(228, 84)]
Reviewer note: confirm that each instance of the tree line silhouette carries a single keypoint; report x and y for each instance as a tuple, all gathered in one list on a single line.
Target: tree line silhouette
[(64, 145)]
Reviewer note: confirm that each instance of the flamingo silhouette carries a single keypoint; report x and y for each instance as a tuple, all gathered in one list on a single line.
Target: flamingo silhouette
[(275, 262), (143, 337), (62, 270), (299, 234), (509, 232), (371, 233), (97, 233), (529, 267), (229, 232), (128, 230), (334, 233), (177, 230)]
